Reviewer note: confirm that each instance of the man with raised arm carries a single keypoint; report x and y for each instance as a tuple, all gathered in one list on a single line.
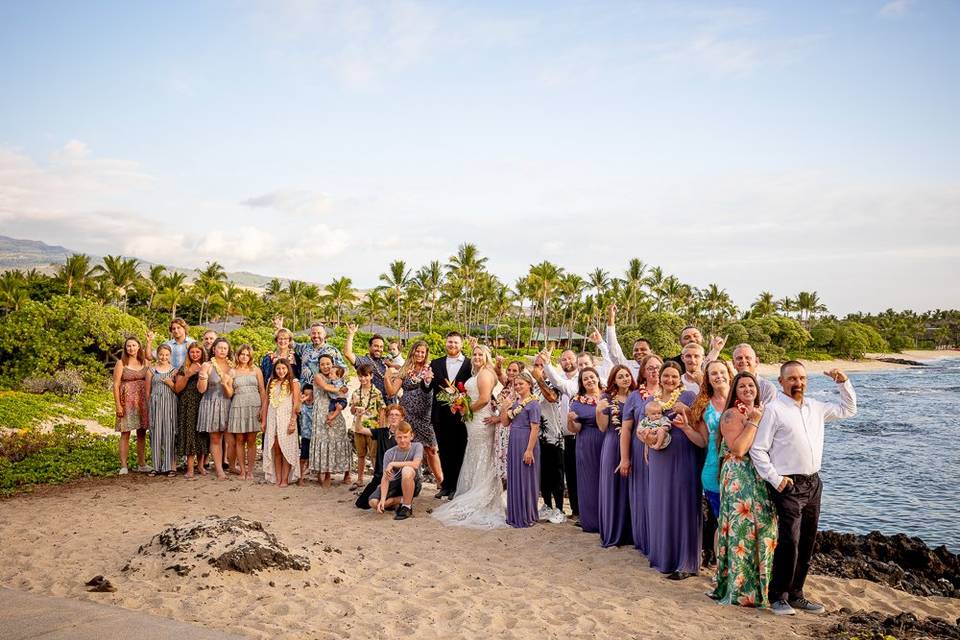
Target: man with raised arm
[(787, 453), (308, 354), (641, 347)]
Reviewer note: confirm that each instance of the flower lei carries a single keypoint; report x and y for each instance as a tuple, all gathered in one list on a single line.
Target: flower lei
[(741, 407), (585, 399), (518, 408), (667, 404), (276, 399), (415, 374)]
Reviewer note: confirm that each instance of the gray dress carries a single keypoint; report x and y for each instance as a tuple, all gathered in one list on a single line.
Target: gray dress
[(214, 406), (330, 446), (163, 422), (245, 404)]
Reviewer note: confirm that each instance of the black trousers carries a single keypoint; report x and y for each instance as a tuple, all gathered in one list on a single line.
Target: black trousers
[(385, 441), (551, 475), (709, 530), (570, 471), (798, 512), (452, 444)]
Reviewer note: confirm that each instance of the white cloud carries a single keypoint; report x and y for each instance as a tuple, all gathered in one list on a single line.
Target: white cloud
[(294, 201), (896, 8)]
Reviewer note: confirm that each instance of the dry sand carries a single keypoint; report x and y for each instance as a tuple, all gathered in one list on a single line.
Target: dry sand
[(411, 577), (870, 363)]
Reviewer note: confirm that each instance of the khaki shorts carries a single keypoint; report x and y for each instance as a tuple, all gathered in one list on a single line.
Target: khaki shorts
[(365, 446)]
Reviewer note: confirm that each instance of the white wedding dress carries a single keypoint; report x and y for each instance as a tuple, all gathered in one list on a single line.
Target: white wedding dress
[(478, 503)]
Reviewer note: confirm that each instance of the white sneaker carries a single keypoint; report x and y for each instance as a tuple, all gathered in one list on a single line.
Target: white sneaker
[(123, 471), (557, 517), (145, 469), (544, 513)]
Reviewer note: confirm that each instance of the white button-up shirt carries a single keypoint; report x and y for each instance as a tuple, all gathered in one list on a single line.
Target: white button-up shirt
[(790, 437), (568, 387), (453, 366)]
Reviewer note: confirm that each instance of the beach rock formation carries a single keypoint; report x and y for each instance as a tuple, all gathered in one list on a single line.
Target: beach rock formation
[(228, 544), (873, 625), (899, 561), (911, 363)]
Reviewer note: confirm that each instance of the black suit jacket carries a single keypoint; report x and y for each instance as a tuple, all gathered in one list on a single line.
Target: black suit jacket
[(441, 413)]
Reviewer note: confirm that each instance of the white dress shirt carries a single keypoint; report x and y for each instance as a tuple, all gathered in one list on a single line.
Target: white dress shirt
[(790, 436), (453, 366), (567, 387), (768, 391), (617, 356), (689, 384)]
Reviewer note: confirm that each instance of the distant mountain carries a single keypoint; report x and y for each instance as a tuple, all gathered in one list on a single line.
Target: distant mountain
[(33, 254), (28, 254)]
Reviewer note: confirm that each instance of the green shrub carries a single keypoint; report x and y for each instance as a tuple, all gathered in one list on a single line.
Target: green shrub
[(66, 453), (66, 332), (20, 410)]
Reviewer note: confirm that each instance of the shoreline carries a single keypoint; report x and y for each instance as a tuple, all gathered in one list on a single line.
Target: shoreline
[(371, 576), (868, 364)]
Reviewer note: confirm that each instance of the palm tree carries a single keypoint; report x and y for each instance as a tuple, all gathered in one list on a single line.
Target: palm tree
[(467, 265), (373, 305), (599, 281), (273, 289), (545, 278), (205, 290), (397, 278), (231, 303), (173, 291), (717, 304), (571, 291), (764, 305), (75, 272), (120, 273), (340, 293), (13, 290), (430, 280), (787, 305), (522, 290), (633, 283), (809, 305), (154, 283)]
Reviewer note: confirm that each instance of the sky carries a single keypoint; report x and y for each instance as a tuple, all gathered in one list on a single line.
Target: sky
[(772, 146)]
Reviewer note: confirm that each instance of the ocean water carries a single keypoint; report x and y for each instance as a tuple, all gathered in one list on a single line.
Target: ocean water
[(895, 466)]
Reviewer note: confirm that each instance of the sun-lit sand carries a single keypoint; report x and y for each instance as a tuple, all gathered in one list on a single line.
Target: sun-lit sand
[(374, 577)]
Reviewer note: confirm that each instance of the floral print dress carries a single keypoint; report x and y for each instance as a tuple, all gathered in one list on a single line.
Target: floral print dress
[(747, 534)]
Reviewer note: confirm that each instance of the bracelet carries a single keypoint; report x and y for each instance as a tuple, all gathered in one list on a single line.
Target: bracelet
[(202, 376)]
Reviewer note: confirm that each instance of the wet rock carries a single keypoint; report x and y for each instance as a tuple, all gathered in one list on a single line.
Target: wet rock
[(911, 363), (899, 561), (873, 625), (228, 544)]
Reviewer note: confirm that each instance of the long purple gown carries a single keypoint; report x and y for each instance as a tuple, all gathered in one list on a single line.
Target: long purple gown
[(589, 447), (523, 480), (674, 494), (615, 523), (637, 481)]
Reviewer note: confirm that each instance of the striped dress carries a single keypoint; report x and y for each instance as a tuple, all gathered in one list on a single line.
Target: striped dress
[(163, 422)]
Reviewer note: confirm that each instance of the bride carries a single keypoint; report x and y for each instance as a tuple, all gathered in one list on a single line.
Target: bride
[(478, 502)]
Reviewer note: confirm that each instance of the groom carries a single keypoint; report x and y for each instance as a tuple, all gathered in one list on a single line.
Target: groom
[(449, 427)]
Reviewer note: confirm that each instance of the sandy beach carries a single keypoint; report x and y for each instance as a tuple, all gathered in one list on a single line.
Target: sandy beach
[(374, 577), (870, 363)]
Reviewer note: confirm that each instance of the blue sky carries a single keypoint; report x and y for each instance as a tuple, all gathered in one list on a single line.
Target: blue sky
[(778, 146)]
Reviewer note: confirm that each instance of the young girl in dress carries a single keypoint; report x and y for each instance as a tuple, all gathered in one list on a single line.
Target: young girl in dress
[(281, 442), (163, 413), (130, 396), (191, 444), (523, 452), (216, 385), (246, 415)]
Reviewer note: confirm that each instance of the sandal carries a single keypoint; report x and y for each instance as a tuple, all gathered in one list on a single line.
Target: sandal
[(171, 474), (152, 474)]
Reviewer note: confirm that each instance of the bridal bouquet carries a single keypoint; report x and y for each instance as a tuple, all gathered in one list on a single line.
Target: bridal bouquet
[(455, 396)]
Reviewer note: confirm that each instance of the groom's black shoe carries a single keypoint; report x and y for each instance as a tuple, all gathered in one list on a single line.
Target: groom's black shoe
[(443, 493)]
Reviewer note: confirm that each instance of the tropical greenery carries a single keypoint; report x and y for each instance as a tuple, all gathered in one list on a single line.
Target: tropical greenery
[(92, 306)]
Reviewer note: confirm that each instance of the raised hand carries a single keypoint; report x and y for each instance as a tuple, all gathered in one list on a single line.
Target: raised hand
[(837, 375), (755, 413), (602, 405), (595, 337), (277, 322), (679, 420), (150, 336), (352, 328), (545, 356), (612, 313), (537, 371), (717, 343)]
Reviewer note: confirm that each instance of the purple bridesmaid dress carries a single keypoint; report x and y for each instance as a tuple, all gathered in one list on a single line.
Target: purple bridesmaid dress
[(615, 523), (523, 480), (589, 446), (674, 494), (637, 481)]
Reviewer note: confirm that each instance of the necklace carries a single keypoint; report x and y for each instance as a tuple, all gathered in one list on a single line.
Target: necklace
[(281, 393), (518, 408), (672, 400)]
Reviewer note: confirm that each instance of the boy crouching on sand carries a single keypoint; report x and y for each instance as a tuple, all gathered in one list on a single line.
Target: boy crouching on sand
[(401, 475)]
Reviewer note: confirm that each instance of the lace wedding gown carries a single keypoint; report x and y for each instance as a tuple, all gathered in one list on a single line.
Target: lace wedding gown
[(478, 503)]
